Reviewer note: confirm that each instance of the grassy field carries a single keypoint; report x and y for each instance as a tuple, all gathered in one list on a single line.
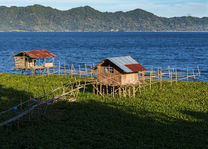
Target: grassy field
[(172, 117)]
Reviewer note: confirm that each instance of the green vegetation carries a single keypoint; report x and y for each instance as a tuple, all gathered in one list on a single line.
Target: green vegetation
[(172, 117), (40, 18)]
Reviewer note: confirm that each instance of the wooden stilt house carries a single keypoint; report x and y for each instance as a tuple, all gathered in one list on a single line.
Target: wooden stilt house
[(33, 60), (118, 71)]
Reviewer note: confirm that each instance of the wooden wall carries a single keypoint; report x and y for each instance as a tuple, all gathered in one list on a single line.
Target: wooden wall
[(23, 62), (115, 78), (20, 62), (128, 79), (108, 78)]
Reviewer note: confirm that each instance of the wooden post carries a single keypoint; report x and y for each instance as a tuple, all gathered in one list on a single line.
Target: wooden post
[(129, 91), (53, 66), (187, 73), (124, 91), (113, 91), (48, 71), (39, 65), (119, 91), (59, 68), (97, 88), (107, 90), (150, 80), (79, 71), (103, 92), (176, 74), (134, 91), (160, 78), (93, 89), (139, 88), (194, 74), (64, 69), (169, 72), (72, 70), (100, 88), (86, 74), (198, 71)]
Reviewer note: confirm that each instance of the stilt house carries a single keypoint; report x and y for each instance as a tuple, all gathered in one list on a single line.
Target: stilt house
[(118, 71), (33, 60)]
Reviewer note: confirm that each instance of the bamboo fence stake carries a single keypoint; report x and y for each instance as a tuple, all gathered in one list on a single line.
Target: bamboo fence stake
[(97, 88), (129, 92), (107, 89), (150, 80), (113, 91), (194, 74), (59, 68), (176, 74), (187, 73), (198, 72), (169, 72), (134, 91), (64, 69), (139, 89), (160, 78), (79, 71), (119, 92)]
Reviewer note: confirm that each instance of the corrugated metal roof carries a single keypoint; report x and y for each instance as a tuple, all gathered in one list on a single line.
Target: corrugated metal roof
[(38, 53), (121, 62), (136, 67)]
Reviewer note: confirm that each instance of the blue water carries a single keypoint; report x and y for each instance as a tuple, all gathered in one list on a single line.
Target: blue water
[(152, 50)]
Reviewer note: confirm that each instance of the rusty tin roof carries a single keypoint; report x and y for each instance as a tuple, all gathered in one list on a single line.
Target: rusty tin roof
[(37, 53)]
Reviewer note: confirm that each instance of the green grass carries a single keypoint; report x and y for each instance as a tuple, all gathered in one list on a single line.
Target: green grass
[(172, 117)]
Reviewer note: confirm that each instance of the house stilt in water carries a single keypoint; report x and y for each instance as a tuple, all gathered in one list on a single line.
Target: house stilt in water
[(34, 60), (118, 71)]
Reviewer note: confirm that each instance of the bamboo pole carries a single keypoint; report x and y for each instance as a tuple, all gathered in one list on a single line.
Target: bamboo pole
[(59, 68), (97, 88), (129, 91), (169, 72), (194, 74), (160, 78), (198, 71), (119, 92), (133, 91), (187, 73), (150, 80), (176, 74), (113, 91), (79, 71), (107, 90), (64, 69)]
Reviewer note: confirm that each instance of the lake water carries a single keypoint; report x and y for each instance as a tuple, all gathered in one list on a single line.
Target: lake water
[(152, 50)]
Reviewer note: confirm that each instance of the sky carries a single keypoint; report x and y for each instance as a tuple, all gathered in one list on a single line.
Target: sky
[(164, 8)]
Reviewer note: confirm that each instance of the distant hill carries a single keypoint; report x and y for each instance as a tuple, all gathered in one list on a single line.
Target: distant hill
[(40, 18)]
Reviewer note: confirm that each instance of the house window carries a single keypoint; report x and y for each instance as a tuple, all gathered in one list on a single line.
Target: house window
[(108, 70)]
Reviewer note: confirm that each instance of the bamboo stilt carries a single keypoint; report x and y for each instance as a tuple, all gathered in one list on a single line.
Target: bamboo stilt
[(129, 91), (133, 91), (160, 79), (187, 73), (120, 92), (113, 91)]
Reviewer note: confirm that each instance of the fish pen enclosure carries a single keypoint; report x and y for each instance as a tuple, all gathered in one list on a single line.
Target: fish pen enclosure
[(88, 81)]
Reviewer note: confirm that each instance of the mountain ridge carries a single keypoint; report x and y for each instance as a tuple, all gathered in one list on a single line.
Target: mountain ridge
[(87, 19)]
